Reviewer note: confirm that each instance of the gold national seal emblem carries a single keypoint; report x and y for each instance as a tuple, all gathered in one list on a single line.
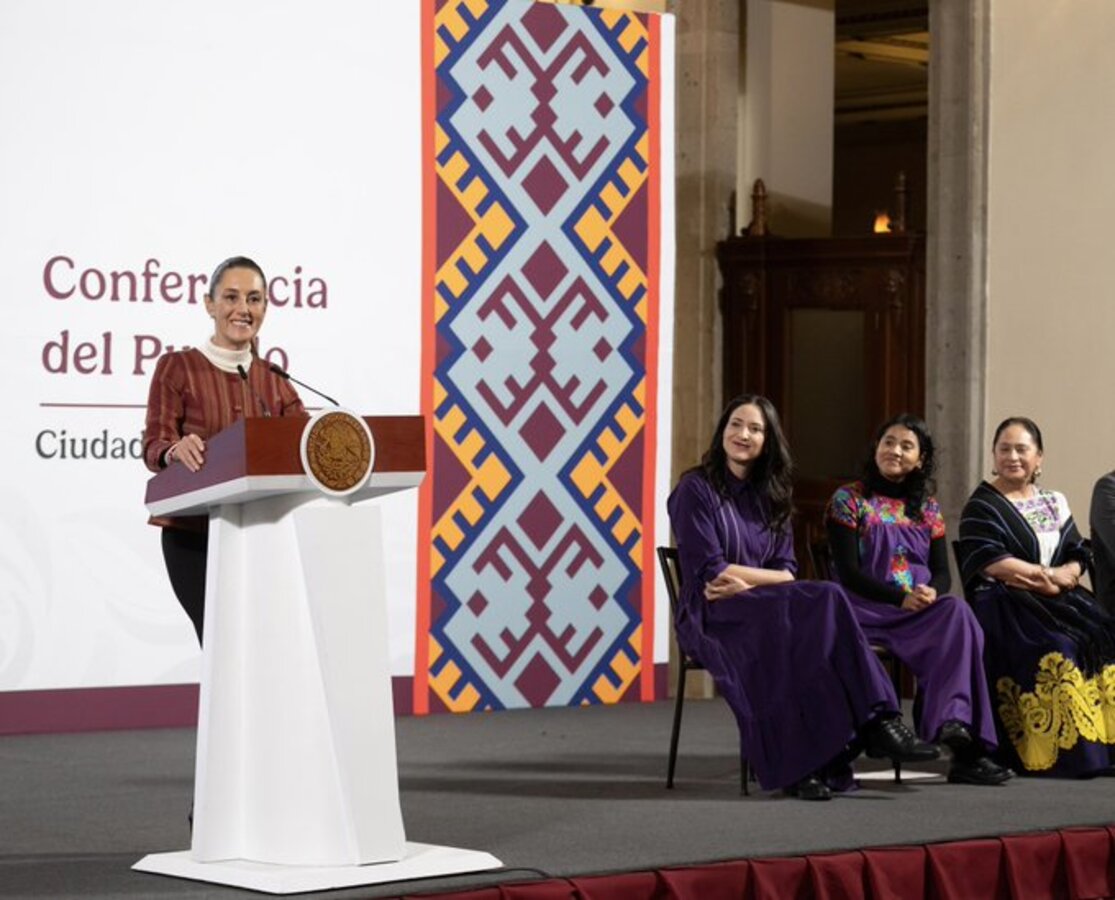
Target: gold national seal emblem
[(337, 451)]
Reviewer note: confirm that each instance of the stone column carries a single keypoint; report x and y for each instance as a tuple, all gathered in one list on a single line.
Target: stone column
[(707, 78), (956, 256)]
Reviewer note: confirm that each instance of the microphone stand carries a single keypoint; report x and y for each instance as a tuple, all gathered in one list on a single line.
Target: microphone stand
[(284, 374)]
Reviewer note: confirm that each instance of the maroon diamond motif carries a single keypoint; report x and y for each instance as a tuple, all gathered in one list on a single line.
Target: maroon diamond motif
[(454, 223), (602, 349), (483, 98), (544, 270), (626, 474), (452, 477), (477, 603), (482, 349), (544, 184), (537, 681), (541, 432), (543, 117), (544, 92), (539, 520), (598, 597), (630, 227), (545, 24), (604, 105)]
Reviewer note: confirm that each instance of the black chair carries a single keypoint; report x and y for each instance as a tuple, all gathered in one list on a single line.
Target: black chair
[(824, 569), (955, 545), (671, 574)]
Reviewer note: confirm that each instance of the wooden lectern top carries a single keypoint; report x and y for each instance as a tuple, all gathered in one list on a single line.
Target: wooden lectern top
[(260, 457)]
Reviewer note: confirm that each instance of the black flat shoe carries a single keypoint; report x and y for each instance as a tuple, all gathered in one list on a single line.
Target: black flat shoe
[(892, 738), (982, 771), (810, 788)]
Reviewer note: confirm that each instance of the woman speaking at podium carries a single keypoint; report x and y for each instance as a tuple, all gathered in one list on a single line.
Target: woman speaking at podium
[(196, 393)]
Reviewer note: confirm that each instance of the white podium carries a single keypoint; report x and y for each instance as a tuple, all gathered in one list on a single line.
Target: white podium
[(296, 785)]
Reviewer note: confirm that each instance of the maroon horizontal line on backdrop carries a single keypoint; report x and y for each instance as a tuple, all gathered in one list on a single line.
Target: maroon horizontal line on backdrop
[(63, 710), (60, 710), (117, 406), (95, 405)]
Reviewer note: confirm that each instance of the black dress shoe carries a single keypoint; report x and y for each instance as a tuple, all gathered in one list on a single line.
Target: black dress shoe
[(810, 788), (981, 770), (956, 736), (891, 737)]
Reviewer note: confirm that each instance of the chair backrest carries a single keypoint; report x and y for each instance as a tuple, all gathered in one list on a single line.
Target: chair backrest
[(671, 574), (1090, 565), (820, 555), (956, 556)]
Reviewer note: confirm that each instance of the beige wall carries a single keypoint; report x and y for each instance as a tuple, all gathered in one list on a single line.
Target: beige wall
[(786, 113), (1051, 227)]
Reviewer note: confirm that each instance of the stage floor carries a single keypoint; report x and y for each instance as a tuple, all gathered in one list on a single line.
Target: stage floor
[(549, 792)]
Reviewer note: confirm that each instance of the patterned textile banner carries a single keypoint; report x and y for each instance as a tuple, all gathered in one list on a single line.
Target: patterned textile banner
[(547, 149)]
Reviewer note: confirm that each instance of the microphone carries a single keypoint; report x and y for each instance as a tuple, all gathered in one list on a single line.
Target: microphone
[(244, 377), (284, 374)]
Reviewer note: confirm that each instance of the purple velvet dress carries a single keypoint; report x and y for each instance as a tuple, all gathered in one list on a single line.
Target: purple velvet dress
[(942, 644), (790, 659)]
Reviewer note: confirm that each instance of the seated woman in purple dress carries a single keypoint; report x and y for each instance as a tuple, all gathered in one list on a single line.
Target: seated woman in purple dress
[(789, 657), (1050, 646), (888, 543)]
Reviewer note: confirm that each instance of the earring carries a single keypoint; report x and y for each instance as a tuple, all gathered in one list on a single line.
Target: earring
[(994, 473)]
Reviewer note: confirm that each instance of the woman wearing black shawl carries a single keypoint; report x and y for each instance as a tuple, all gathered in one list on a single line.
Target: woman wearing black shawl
[(1049, 648)]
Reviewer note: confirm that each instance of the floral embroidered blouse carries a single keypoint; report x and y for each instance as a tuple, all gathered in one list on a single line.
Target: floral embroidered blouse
[(892, 552)]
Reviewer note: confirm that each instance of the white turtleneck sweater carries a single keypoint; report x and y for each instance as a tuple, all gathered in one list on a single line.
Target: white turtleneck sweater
[(227, 360)]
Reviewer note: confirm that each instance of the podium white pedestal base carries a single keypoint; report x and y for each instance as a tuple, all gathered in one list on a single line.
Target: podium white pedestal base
[(420, 861)]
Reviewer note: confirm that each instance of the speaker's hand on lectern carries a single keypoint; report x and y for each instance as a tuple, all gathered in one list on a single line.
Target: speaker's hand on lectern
[(190, 451)]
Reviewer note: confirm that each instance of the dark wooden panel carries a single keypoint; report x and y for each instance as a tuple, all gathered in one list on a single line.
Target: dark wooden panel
[(766, 279)]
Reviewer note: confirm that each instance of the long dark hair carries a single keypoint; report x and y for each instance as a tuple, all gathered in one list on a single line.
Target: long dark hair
[(918, 485), (771, 474)]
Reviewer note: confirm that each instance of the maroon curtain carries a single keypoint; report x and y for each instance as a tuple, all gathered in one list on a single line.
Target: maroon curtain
[(1073, 864)]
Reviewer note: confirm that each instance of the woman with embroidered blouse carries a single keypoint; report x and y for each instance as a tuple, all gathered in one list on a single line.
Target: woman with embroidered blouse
[(197, 392), (1050, 648), (807, 691), (887, 536)]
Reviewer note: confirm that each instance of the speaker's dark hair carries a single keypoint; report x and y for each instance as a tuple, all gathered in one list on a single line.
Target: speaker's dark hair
[(234, 262)]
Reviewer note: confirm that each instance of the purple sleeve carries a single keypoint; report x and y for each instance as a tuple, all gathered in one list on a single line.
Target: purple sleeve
[(782, 553), (693, 510)]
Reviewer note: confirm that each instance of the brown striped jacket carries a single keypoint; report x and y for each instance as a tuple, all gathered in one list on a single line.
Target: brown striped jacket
[(189, 395)]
